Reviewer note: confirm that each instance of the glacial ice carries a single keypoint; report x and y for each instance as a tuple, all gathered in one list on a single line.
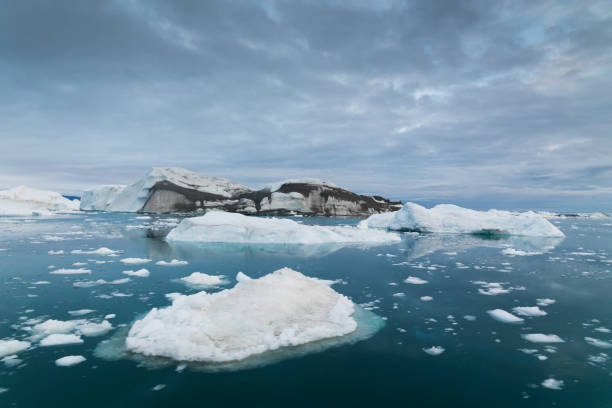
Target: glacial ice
[(69, 361), (25, 201), (504, 317), (281, 309), (203, 280), (451, 219), (9, 347), (542, 338), (133, 197), (218, 226)]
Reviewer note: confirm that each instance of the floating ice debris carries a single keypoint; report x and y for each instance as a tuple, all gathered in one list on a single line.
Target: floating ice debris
[(3, 390), (103, 251), (91, 284), (217, 226), (531, 311), (110, 316), (426, 298), (58, 252), (174, 262), (552, 384), (79, 264), (415, 280), (69, 361), (528, 351), (159, 387), (602, 329), (598, 343), (77, 271), (135, 261), (198, 279), (469, 318), (399, 294), (545, 302), (502, 316), (448, 218), (495, 288), (60, 339), (434, 350), (600, 358), (41, 283), (28, 201), (518, 252), (80, 312), (542, 338), (10, 346), (141, 273), (246, 320)]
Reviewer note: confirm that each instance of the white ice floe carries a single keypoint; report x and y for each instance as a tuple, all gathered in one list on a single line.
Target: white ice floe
[(80, 312), (545, 302), (552, 384), (77, 271), (426, 298), (217, 226), (141, 273), (434, 350), (598, 343), (448, 218), (69, 361), (281, 309), (518, 252), (198, 279), (174, 262), (58, 252), (80, 327), (505, 317), (103, 251), (59, 339), (25, 201), (495, 288), (531, 311), (415, 280), (135, 261), (542, 338), (9, 347), (134, 197)]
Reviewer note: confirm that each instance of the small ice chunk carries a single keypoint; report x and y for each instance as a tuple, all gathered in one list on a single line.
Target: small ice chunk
[(415, 280), (598, 343), (545, 302), (135, 261), (426, 298), (542, 338), (505, 317), (434, 350), (91, 329), (80, 312), (532, 311), (60, 339), (174, 262), (69, 361), (110, 316), (78, 271), (159, 387), (399, 294), (518, 252), (552, 384), (141, 273), (58, 252), (103, 251), (203, 280), (469, 318), (10, 346)]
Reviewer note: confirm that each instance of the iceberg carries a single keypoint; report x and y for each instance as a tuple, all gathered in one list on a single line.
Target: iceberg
[(451, 219), (25, 201), (218, 226), (283, 309)]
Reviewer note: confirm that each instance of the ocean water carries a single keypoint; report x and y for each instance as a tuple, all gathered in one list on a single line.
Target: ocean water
[(485, 363)]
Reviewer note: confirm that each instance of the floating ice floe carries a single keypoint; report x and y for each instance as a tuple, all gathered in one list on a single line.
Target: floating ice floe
[(415, 280), (203, 280), (59, 339), (91, 284), (9, 347), (77, 271), (542, 338), (58, 252), (518, 252), (552, 384), (426, 298), (141, 273), (531, 311), (80, 312), (174, 262), (69, 361), (598, 343), (448, 218), (25, 201), (434, 350), (218, 226), (505, 317), (103, 251), (545, 302), (135, 261), (255, 317)]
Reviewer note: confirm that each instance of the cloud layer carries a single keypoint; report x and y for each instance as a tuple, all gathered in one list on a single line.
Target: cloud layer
[(502, 104)]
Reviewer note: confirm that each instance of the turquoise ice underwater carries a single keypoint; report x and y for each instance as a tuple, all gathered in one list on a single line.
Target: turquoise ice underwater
[(438, 345)]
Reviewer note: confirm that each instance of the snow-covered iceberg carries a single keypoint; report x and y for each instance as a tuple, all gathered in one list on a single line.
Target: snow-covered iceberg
[(448, 218), (218, 226), (280, 310), (25, 201)]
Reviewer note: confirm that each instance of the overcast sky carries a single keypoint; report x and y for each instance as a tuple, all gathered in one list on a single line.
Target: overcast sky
[(502, 104)]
